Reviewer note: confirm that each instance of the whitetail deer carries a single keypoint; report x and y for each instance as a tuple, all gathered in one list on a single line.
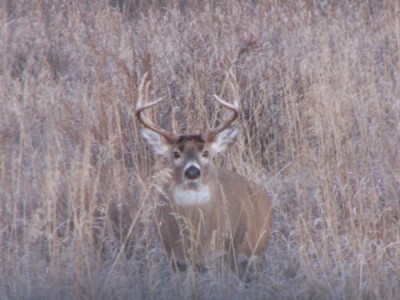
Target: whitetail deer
[(206, 212)]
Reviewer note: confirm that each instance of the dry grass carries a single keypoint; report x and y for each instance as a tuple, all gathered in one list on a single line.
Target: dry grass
[(320, 124)]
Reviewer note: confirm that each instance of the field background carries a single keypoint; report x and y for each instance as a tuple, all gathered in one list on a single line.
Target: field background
[(320, 130)]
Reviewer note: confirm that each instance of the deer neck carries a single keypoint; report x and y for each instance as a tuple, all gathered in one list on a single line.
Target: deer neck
[(191, 197)]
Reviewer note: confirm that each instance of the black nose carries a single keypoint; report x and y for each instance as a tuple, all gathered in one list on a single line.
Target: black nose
[(192, 173)]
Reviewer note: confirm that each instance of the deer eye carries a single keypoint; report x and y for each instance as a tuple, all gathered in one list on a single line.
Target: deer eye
[(205, 154), (176, 154)]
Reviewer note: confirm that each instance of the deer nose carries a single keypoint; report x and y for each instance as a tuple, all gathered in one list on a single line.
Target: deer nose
[(192, 173)]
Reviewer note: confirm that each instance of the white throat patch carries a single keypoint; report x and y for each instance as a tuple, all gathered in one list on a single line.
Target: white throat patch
[(187, 197)]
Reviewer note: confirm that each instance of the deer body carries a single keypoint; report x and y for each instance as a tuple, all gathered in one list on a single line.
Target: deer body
[(205, 212), (233, 222)]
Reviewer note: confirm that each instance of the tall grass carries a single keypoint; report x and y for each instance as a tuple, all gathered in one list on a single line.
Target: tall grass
[(320, 125)]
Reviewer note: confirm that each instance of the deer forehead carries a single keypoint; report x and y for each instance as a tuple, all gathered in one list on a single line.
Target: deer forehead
[(190, 143)]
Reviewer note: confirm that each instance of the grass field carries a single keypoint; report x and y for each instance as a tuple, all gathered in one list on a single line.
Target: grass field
[(320, 130)]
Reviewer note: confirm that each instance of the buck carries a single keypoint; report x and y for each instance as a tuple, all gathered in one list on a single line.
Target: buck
[(205, 212)]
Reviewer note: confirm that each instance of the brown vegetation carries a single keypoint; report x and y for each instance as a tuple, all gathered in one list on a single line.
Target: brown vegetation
[(320, 124)]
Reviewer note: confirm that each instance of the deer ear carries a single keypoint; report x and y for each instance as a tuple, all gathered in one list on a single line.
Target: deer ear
[(156, 141), (224, 139)]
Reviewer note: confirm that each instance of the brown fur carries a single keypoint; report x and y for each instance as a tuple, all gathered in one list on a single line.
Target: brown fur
[(236, 221)]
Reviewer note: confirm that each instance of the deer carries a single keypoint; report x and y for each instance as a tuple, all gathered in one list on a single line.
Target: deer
[(205, 212)]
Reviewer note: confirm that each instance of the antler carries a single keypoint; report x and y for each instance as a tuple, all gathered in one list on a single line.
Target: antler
[(140, 107), (235, 112)]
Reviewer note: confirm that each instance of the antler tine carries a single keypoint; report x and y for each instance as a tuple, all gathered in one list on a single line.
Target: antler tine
[(234, 107), (140, 107)]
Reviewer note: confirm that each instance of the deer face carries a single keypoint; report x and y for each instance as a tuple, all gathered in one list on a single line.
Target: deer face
[(190, 155), (190, 160)]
